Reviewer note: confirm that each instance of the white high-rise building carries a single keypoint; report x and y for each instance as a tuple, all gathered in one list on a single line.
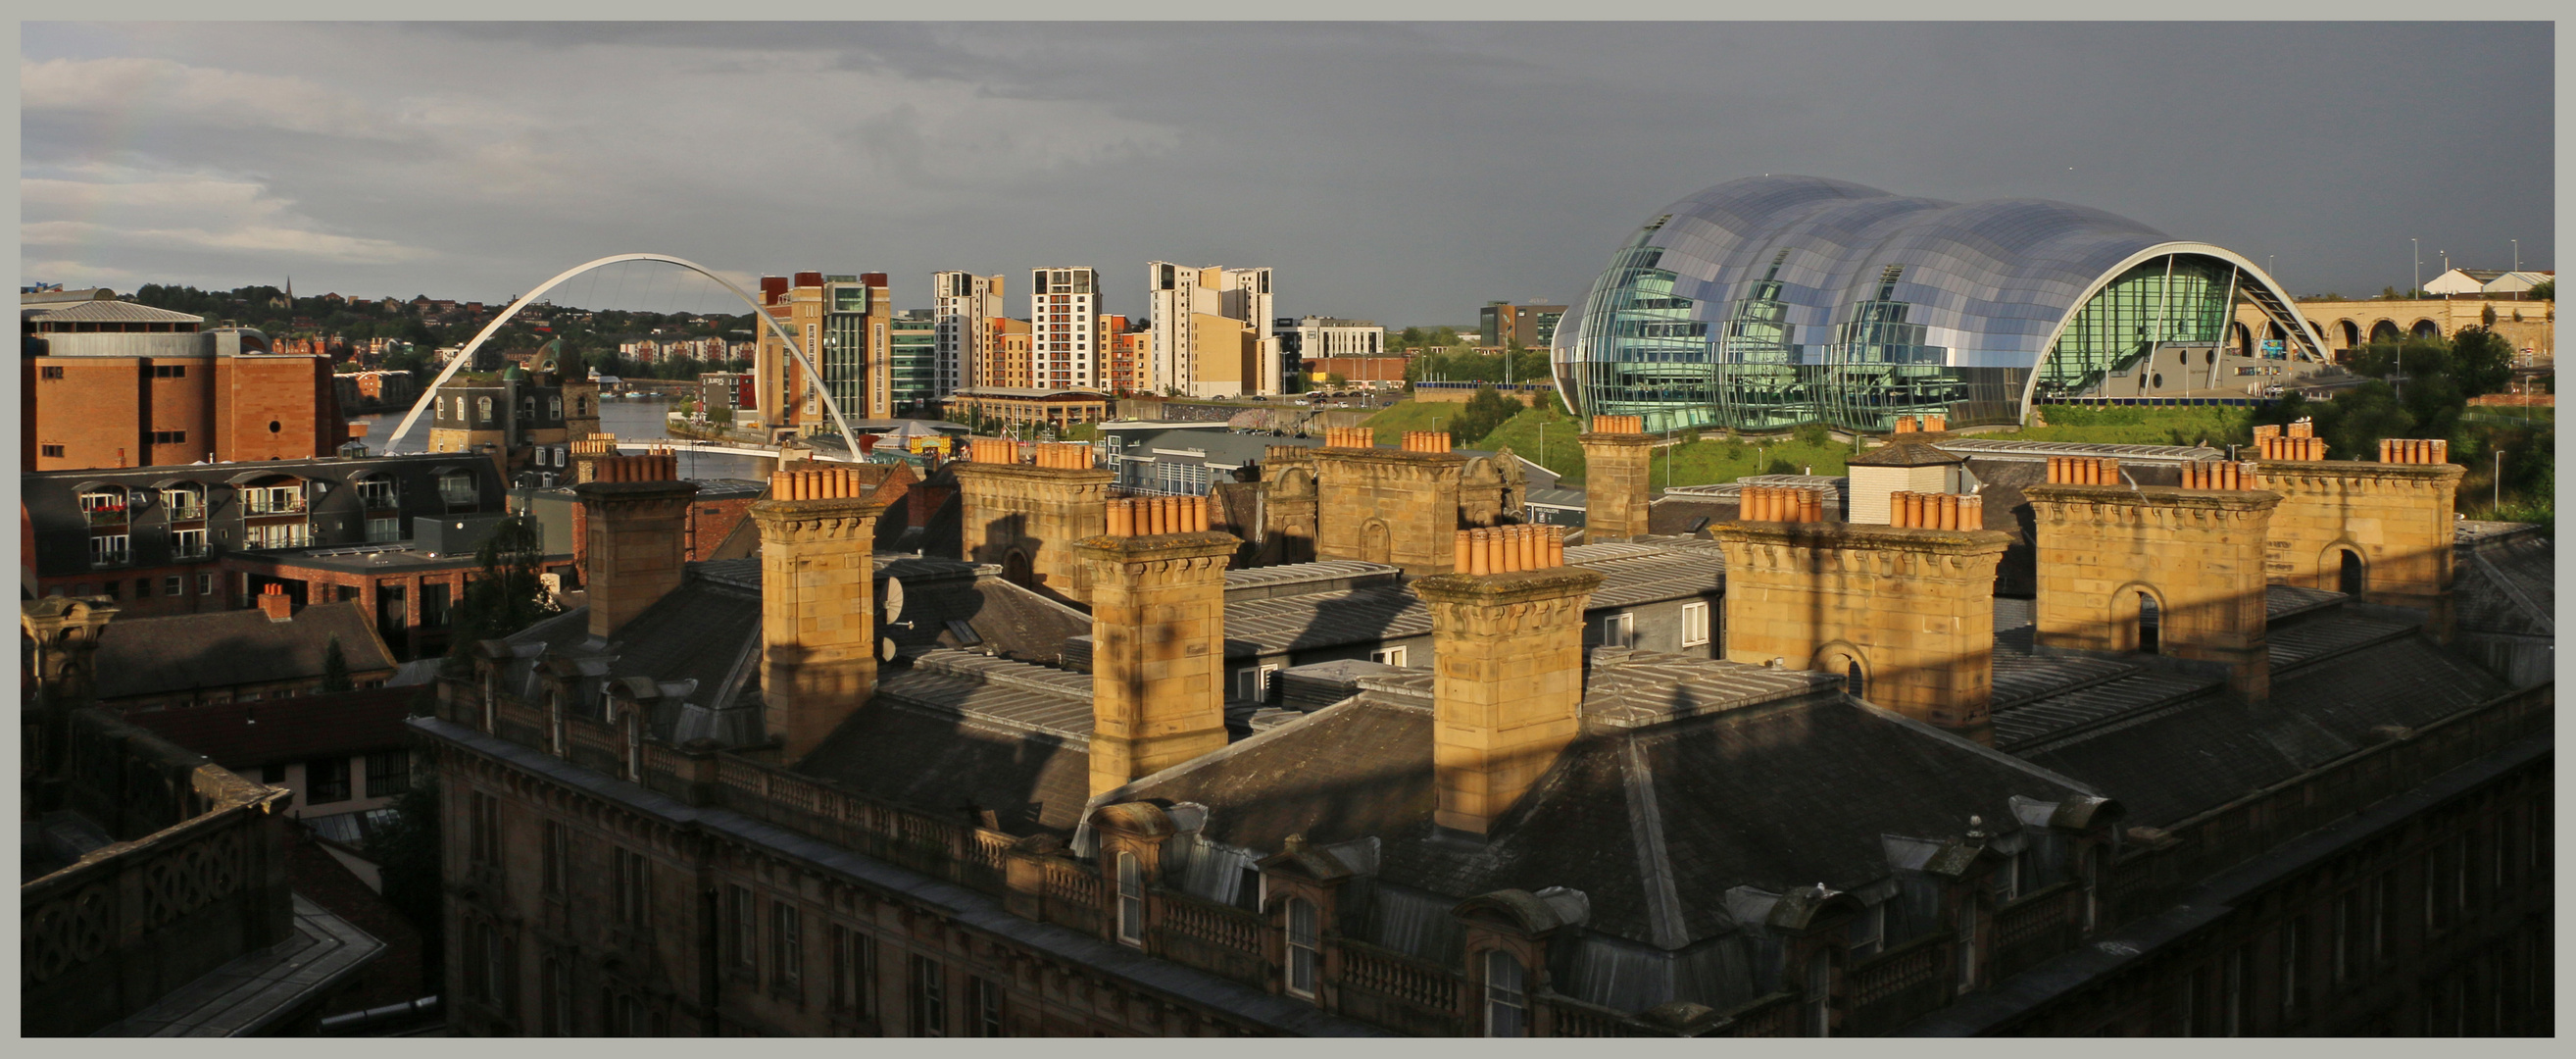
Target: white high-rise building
[(1064, 325), (963, 308), (1193, 351)]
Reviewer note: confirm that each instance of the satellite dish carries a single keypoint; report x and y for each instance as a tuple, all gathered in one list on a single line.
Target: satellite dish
[(893, 608), (885, 649)]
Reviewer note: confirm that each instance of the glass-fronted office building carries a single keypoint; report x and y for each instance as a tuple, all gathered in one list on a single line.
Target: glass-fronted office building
[(1776, 301)]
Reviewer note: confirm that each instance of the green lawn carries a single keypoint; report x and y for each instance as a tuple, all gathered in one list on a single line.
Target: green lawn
[(1402, 416), (2134, 426), (1715, 459)]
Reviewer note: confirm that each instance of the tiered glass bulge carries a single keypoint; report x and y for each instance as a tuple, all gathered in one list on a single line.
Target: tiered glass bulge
[(1771, 302)]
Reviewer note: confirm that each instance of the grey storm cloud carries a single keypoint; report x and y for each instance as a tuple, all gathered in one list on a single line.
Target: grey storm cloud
[(1400, 172)]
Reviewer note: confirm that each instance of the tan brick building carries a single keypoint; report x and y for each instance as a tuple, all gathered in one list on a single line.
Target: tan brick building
[(108, 384)]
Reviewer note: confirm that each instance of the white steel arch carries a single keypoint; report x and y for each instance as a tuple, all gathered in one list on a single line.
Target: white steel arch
[(2277, 306), (466, 355)]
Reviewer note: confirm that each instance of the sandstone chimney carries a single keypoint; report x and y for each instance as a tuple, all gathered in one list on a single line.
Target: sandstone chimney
[(1617, 456), (1508, 694), (2381, 531), (2152, 568), (635, 518), (1025, 517), (1395, 506), (1905, 614), (818, 631), (1157, 583)]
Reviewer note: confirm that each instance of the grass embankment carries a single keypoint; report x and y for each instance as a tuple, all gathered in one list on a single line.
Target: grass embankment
[(2213, 425), (1549, 439), (1395, 419)]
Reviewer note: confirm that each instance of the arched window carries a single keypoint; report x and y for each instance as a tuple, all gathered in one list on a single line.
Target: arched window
[(483, 409), (2149, 624), (2350, 579), (1131, 900), (1305, 947), (1853, 680), (1506, 998)]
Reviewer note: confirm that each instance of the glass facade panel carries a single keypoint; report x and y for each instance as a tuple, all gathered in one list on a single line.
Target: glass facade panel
[(1767, 303)]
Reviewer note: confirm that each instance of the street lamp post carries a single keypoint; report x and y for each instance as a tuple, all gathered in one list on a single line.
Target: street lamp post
[(2498, 502), (2418, 289), (2517, 255)]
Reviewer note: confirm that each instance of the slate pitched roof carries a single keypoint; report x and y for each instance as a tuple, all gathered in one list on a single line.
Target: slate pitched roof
[(955, 729), (158, 656), (2177, 758), (1751, 777)]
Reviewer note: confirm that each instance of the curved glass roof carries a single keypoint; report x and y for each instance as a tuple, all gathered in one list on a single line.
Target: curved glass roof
[(1783, 299)]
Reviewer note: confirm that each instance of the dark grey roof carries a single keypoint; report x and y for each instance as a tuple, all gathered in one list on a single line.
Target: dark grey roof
[(2175, 759), (1294, 579), (955, 729), (1323, 619), (156, 656), (1651, 571), (2508, 585), (103, 311), (1906, 454), (1774, 780)]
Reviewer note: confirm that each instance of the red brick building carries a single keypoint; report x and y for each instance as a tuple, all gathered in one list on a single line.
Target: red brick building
[(112, 384)]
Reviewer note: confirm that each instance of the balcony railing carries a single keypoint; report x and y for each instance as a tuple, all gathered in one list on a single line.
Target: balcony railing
[(106, 516)]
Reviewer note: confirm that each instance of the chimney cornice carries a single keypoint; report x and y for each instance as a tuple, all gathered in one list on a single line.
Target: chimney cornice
[(1855, 535)]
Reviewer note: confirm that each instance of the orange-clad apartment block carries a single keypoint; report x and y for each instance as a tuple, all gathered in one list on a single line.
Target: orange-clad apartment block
[(106, 383)]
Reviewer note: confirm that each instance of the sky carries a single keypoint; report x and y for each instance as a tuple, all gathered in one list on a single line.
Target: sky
[(1401, 172)]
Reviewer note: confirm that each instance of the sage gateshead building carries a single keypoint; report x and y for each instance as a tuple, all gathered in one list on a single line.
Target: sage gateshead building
[(1776, 301)]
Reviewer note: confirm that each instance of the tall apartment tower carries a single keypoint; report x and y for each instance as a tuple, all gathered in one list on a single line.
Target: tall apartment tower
[(1212, 331), (841, 322), (1064, 328), (964, 308)]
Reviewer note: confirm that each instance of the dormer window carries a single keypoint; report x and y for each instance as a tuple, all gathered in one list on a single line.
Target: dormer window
[(1506, 997), (1131, 900), (104, 506), (1305, 947), (185, 501), (377, 494)]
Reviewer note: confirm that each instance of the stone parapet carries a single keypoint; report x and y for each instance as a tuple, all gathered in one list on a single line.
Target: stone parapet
[(2178, 571), (1911, 609), (1508, 695), (1158, 651), (637, 546), (2395, 518)]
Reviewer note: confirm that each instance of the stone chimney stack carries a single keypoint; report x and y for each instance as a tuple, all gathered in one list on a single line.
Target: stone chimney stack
[(585, 455), (635, 512), (1904, 614), (1617, 455), (1507, 629), (1396, 506), (274, 602), (2175, 571), (1157, 580), (1025, 517), (818, 630), (2381, 530)]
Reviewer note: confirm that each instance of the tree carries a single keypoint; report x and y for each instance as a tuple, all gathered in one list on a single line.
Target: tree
[(1486, 410), (2546, 290), (1335, 379), (335, 668), (507, 596), (2481, 361)]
